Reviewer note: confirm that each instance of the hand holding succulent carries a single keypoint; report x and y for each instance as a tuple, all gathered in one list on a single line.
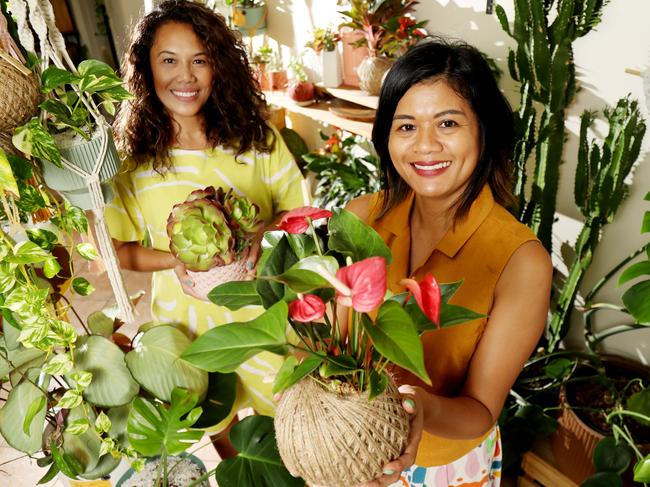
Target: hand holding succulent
[(211, 228)]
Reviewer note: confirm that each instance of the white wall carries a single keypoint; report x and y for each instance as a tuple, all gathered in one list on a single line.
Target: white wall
[(122, 16)]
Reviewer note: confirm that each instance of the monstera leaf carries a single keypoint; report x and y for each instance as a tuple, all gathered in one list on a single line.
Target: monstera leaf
[(155, 429), (258, 462)]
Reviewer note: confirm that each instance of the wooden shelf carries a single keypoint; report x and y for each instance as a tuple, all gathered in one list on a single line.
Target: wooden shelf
[(319, 112), (355, 95)]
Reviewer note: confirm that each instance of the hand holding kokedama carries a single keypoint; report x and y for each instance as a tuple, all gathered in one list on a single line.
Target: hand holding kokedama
[(340, 419)]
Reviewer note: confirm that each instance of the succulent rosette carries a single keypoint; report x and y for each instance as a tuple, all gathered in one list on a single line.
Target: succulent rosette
[(244, 214)]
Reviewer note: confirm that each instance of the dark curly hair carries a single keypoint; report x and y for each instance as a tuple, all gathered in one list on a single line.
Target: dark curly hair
[(464, 68), (234, 114)]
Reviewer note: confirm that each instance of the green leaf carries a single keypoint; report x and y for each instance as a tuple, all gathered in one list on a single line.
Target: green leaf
[(70, 399), (451, 315), (302, 244), (103, 423), (226, 347), (7, 180), (642, 470), (59, 364), (112, 383), (34, 408), (154, 429), (65, 462), (51, 268), (395, 337), (292, 372), (71, 220), (93, 67), (609, 456), (82, 287), (273, 263), (350, 236), (157, 364), (634, 271), (54, 77), (339, 365), (639, 402), (34, 141), (12, 418), (27, 252), (87, 251), (603, 479), (637, 301), (559, 368), (49, 475), (100, 324), (77, 427), (258, 462), (235, 295), (304, 276), (18, 358), (378, 384), (218, 402)]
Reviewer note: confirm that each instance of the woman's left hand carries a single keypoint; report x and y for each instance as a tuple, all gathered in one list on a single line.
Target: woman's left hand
[(412, 403)]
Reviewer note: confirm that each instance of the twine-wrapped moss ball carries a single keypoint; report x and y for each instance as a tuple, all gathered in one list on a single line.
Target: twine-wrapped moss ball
[(339, 439)]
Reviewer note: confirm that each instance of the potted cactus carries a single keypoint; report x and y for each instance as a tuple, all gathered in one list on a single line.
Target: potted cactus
[(210, 232)]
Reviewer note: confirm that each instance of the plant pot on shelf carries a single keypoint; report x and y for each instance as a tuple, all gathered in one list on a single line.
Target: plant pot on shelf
[(82, 154), (352, 56), (314, 425), (249, 20), (278, 79), (262, 77), (578, 433), (371, 73), (330, 68), (190, 469)]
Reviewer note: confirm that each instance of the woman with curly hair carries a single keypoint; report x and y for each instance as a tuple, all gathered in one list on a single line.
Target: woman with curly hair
[(198, 119)]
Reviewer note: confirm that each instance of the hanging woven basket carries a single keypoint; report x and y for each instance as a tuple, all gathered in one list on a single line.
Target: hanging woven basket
[(339, 439), (19, 96)]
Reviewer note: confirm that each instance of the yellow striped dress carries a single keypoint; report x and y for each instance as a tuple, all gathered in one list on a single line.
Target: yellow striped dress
[(143, 200)]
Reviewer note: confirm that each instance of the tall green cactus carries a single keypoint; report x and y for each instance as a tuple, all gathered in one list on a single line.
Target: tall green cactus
[(543, 65), (600, 188)]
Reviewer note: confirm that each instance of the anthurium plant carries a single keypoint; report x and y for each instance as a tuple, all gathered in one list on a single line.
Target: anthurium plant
[(329, 284)]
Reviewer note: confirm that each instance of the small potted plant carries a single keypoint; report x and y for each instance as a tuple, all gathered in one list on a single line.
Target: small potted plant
[(74, 129), (248, 16), (324, 42), (301, 90), (269, 70), (304, 275), (210, 232)]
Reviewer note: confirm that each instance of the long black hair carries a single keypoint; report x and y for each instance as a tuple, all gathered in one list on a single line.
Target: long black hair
[(464, 68)]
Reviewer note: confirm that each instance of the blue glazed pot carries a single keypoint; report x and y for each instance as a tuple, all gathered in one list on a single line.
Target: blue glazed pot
[(249, 20)]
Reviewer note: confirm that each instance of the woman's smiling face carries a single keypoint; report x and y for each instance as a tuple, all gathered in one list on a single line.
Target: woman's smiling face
[(181, 70), (434, 141)]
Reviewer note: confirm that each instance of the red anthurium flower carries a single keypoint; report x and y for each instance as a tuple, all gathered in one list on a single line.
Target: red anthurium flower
[(427, 295), (421, 33), (365, 282), (296, 221), (306, 308)]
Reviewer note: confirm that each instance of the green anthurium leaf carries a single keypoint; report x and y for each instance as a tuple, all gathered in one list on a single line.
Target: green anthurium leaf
[(642, 470), (236, 294), (43, 238), (395, 337), (14, 413), (112, 383), (154, 428), (222, 389), (637, 301), (639, 402), (609, 456), (100, 324), (339, 365), (350, 236), (603, 479), (451, 315), (82, 287), (305, 275), (292, 372), (634, 271), (273, 263), (65, 462), (33, 140), (378, 384), (157, 364), (7, 180), (301, 244), (226, 347), (258, 462)]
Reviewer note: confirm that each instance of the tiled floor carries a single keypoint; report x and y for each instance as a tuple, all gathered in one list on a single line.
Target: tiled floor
[(18, 470)]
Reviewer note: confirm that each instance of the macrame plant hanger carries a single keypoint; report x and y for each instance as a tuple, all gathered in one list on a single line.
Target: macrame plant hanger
[(52, 48)]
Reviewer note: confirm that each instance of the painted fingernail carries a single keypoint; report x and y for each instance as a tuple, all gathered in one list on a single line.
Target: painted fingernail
[(410, 403), (189, 282), (389, 471), (250, 265)]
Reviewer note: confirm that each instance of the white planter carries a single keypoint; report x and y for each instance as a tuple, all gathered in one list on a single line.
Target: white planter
[(331, 69)]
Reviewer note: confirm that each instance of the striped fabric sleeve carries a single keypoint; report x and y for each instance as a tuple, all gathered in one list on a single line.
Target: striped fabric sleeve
[(123, 216), (285, 178)]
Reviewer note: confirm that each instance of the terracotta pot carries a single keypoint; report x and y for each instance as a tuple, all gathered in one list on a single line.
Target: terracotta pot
[(262, 77), (352, 56), (574, 441), (279, 79), (371, 73)]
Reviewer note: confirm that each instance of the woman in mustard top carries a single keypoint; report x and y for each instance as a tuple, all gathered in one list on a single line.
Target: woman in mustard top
[(443, 132)]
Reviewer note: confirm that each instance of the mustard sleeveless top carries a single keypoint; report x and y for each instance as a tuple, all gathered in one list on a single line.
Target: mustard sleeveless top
[(476, 251)]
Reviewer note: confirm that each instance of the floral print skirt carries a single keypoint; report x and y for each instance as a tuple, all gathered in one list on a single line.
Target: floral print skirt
[(478, 468)]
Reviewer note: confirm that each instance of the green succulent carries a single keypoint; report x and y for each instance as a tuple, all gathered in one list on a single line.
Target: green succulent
[(244, 214), (199, 232)]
